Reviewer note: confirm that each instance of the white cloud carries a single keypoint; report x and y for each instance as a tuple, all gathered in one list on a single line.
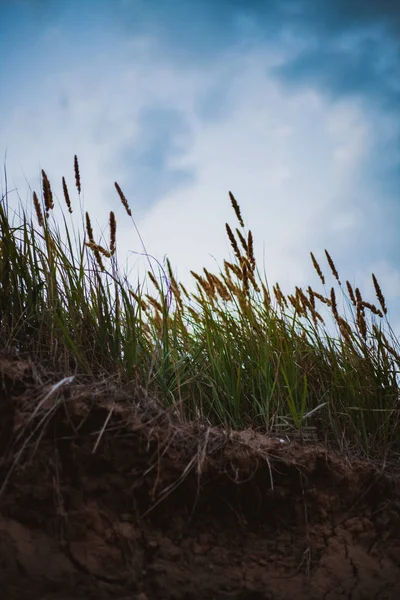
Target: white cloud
[(347, 127), (293, 161)]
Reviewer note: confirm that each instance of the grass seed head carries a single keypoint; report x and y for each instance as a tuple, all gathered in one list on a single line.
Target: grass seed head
[(123, 199), (351, 293), (373, 309), (89, 229), (361, 323), (253, 281), (345, 330), (97, 248), (294, 302), (77, 174), (47, 193), (233, 241), (236, 208), (280, 298), (113, 232), (242, 240), (266, 297), (197, 278), (233, 268), (66, 195), (154, 281), (155, 303), (317, 317), (334, 306), (321, 298), (184, 290), (311, 297), (379, 294), (140, 302), (174, 286), (250, 253), (307, 305), (98, 259), (332, 266), (317, 268), (245, 278), (221, 289), (359, 299), (38, 209)]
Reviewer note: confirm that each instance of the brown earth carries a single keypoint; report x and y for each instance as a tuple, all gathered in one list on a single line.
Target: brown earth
[(104, 495)]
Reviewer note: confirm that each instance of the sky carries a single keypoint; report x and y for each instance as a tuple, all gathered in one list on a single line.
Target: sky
[(292, 105)]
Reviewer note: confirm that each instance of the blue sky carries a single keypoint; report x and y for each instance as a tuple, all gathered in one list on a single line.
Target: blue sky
[(293, 105)]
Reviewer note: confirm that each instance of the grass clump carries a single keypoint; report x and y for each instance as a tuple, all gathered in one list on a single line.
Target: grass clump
[(234, 352)]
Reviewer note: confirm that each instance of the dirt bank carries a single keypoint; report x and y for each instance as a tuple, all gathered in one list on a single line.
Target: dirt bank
[(104, 495)]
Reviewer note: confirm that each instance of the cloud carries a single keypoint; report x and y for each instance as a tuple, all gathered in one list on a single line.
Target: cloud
[(178, 133)]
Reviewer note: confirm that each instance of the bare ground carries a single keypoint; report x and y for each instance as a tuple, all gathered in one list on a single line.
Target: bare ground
[(104, 495)]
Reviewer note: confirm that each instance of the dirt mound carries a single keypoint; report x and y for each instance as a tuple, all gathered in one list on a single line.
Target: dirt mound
[(105, 495)]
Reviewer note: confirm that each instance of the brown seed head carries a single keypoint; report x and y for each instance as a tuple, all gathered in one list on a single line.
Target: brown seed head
[(294, 302), (77, 174), (280, 298), (233, 241), (321, 298), (390, 348), (345, 330), (245, 279), (184, 290), (250, 252), (174, 286), (98, 258), (242, 240), (317, 268), (332, 266), (317, 317), (141, 302), (379, 294), (236, 208), (307, 304), (203, 284), (123, 199), (359, 299), (361, 323), (89, 228), (234, 268), (66, 195), (234, 289), (351, 293), (154, 281), (98, 248), (253, 281), (266, 297), (373, 309), (155, 303), (47, 193), (311, 297), (221, 289), (334, 305), (38, 209), (209, 283), (113, 232)]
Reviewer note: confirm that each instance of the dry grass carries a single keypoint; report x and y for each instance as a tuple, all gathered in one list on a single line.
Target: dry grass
[(231, 351)]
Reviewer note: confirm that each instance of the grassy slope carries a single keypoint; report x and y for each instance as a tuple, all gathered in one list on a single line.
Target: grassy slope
[(236, 352)]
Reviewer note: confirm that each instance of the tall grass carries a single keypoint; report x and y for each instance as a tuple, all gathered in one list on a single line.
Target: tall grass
[(234, 352)]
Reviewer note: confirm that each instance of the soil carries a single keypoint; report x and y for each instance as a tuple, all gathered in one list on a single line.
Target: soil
[(106, 495)]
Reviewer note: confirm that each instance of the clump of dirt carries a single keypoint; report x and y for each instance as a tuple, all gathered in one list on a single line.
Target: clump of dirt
[(106, 495)]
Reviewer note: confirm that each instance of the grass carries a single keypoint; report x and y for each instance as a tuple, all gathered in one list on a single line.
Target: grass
[(235, 352)]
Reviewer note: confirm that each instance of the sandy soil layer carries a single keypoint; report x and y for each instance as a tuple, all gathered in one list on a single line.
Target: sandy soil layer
[(104, 495)]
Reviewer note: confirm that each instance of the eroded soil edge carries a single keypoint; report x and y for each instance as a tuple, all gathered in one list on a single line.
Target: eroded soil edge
[(105, 495)]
